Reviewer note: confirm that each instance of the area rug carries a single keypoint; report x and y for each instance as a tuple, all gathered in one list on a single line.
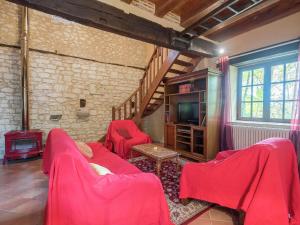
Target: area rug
[(170, 181)]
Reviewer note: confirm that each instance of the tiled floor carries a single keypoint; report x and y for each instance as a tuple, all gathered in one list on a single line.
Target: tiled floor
[(23, 194), (217, 216)]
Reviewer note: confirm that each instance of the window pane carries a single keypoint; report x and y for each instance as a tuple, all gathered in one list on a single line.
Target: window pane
[(246, 109), (288, 110), (246, 93), (276, 110), (291, 71), (277, 91), (258, 76), (258, 93), (277, 73), (290, 91), (246, 78), (257, 109)]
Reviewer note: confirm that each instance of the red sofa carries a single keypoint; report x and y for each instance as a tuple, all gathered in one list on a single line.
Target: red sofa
[(115, 142), (77, 195), (261, 180)]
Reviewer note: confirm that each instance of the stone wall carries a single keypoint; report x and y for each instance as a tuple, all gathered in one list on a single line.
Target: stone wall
[(68, 62), (58, 83), (10, 92)]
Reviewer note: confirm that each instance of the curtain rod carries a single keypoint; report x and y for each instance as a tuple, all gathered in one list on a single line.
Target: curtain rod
[(265, 48)]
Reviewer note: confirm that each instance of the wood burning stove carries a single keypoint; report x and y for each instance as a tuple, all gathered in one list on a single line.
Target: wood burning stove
[(22, 144)]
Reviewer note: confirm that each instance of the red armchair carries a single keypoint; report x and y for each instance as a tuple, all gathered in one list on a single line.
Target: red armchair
[(261, 180), (122, 135)]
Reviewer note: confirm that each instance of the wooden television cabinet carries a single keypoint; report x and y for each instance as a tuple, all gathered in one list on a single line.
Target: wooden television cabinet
[(198, 140)]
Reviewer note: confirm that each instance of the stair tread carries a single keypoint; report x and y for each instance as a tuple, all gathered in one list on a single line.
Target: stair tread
[(159, 99), (183, 63), (176, 71), (159, 92)]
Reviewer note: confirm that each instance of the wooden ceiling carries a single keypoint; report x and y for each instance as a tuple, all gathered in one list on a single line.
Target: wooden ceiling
[(223, 19)]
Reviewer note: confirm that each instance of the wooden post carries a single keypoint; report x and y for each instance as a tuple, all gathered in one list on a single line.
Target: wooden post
[(125, 111), (162, 56), (130, 108), (141, 90), (113, 113), (119, 113), (157, 59), (135, 103)]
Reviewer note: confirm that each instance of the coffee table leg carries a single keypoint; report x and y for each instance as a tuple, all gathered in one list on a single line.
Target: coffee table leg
[(158, 166), (177, 161)]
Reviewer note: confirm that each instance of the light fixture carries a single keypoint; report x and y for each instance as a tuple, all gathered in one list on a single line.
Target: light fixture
[(221, 51)]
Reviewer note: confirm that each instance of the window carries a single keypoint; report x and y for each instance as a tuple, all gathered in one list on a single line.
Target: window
[(267, 92)]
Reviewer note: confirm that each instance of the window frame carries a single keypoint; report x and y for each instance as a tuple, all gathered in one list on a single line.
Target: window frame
[(267, 66)]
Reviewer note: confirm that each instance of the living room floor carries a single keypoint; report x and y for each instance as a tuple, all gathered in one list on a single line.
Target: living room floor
[(23, 195)]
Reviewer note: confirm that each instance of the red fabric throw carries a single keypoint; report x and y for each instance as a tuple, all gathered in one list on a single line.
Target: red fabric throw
[(77, 195), (262, 180), (115, 142)]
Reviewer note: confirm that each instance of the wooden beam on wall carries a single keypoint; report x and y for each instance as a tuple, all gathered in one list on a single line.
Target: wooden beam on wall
[(97, 14)]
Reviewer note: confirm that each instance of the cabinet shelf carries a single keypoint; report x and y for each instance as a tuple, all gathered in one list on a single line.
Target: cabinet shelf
[(184, 136), (183, 142), (196, 141), (188, 93)]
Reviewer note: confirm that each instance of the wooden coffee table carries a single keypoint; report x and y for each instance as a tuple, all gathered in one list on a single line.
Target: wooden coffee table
[(157, 153)]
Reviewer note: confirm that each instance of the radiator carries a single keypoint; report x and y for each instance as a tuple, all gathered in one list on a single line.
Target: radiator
[(245, 136)]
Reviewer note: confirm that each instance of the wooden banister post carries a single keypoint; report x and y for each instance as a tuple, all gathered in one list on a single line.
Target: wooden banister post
[(135, 103), (130, 108), (125, 111), (141, 91), (119, 113), (113, 113)]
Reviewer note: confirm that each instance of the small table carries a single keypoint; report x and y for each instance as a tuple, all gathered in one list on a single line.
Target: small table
[(157, 153)]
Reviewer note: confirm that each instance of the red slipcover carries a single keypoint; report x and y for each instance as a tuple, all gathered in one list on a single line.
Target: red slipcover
[(118, 143), (262, 180), (77, 195)]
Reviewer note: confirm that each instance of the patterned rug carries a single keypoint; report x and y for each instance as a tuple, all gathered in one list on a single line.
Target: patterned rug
[(170, 181)]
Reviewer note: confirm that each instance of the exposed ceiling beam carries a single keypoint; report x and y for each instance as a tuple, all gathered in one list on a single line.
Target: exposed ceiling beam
[(127, 1), (257, 19), (209, 11), (247, 14), (167, 6), (105, 17)]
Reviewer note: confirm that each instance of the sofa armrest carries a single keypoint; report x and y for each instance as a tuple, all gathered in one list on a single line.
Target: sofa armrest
[(116, 138), (127, 191)]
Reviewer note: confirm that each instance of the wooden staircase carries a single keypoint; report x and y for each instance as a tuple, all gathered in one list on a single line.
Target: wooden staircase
[(149, 96)]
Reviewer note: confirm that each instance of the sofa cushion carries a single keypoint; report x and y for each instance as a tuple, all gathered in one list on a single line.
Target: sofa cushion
[(124, 133), (84, 149), (100, 170)]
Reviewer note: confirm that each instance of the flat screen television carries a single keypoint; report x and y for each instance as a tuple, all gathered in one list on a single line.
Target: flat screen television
[(188, 112)]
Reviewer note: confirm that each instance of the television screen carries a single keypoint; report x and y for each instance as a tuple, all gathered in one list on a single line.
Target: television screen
[(188, 112)]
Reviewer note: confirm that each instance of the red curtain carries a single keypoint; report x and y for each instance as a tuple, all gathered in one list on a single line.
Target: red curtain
[(226, 142), (295, 122)]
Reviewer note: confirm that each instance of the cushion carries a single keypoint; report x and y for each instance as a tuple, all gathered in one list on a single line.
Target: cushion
[(100, 170), (84, 149), (124, 133)]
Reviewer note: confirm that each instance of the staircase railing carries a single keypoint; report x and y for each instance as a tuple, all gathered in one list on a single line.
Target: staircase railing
[(132, 105)]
